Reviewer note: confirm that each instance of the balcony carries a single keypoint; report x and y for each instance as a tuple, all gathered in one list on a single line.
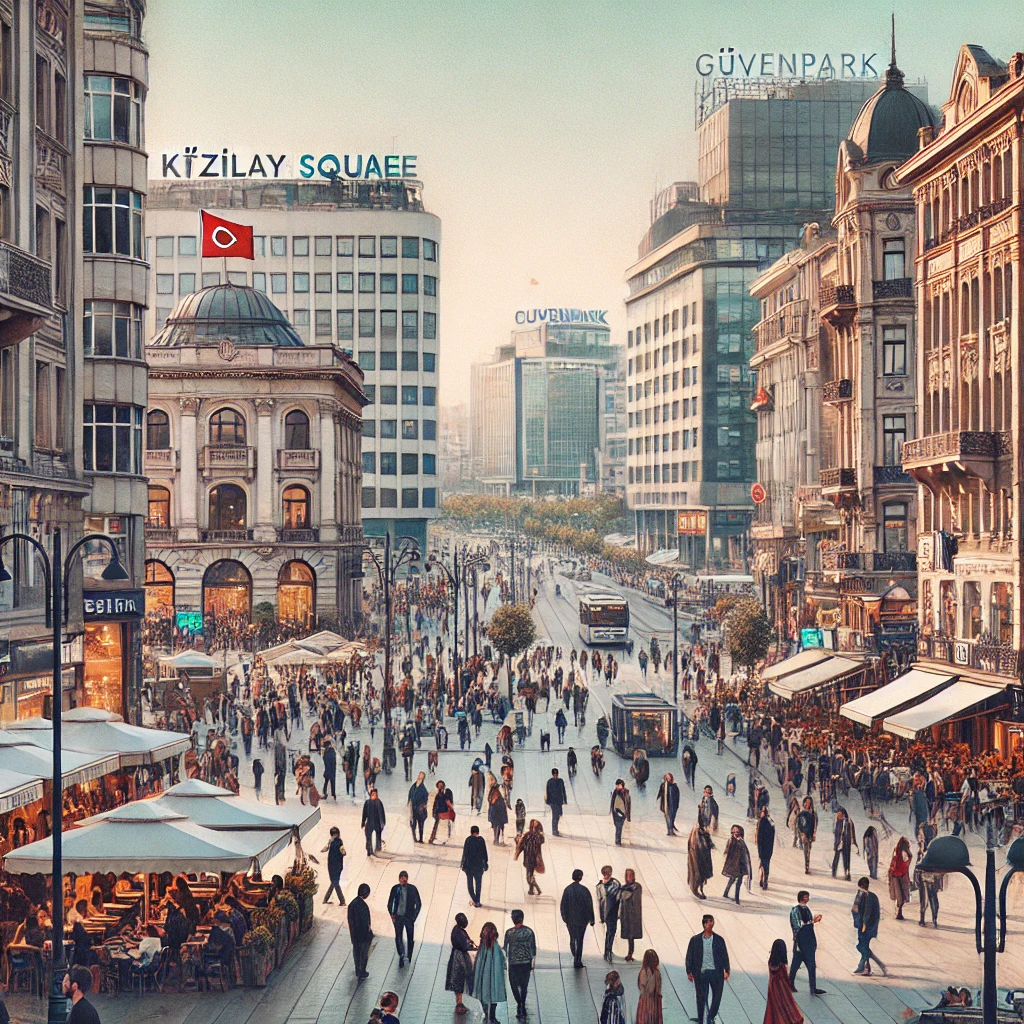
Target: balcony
[(897, 288), (160, 534), (224, 536), (836, 391), (291, 459), (838, 482), (162, 458), (837, 303), (841, 561), (789, 322), (25, 294), (894, 561), (298, 536), (996, 659), (237, 460), (947, 458), (888, 476)]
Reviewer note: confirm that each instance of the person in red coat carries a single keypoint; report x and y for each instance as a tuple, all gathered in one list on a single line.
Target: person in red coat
[(781, 1008)]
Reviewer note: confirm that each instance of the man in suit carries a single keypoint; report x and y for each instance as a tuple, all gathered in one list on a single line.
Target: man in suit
[(556, 798), (373, 822), (474, 863), (620, 809), (805, 942), (335, 851), (577, 910), (404, 907), (330, 758), (866, 914), (707, 966), (359, 930)]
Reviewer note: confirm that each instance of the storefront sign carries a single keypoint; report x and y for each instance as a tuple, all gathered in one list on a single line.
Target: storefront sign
[(562, 316), (828, 618), (693, 524), (113, 604), (811, 638), (730, 63), (192, 621), (189, 162)]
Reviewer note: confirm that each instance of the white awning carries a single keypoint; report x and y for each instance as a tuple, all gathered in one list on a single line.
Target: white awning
[(799, 661), (18, 789), (910, 688), (820, 674), (947, 703)]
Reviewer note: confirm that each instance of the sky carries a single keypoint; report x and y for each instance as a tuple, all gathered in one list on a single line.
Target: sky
[(542, 128)]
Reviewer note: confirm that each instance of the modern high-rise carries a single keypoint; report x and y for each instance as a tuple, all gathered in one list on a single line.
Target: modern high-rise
[(355, 263)]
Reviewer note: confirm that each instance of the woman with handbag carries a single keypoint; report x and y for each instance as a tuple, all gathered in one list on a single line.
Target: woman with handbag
[(529, 845)]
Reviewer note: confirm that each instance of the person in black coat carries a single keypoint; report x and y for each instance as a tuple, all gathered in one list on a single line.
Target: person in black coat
[(404, 907), (707, 966), (359, 930), (474, 863), (556, 798), (335, 851), (373, 821), (764, 836), (330, 759), (577, 910), (668, 801)]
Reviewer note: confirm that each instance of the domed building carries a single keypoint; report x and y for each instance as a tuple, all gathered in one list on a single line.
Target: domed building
[(253, 457)]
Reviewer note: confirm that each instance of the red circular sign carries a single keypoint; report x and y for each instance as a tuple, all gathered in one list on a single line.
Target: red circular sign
[(758, 493)]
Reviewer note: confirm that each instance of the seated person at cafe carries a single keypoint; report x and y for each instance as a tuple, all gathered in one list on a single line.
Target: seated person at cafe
[(176, 928), (96, 908), (82, 939), (220, 946), (236, 920), (149, 945)]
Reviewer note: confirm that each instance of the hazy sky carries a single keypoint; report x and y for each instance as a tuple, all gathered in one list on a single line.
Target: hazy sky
[(542, 127)]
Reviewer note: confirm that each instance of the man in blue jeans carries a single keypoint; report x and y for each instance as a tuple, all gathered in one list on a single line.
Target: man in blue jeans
[(620, 808), (707, 966)]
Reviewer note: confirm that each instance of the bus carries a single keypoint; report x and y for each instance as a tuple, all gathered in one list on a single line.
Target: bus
[(604, 619)]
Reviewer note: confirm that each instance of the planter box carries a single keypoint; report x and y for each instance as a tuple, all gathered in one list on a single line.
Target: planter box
[(281, 943), (255, 967), (293, 931), (305, 913)]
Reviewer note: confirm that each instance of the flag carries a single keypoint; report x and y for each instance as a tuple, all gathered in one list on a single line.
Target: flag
[(225, 237)]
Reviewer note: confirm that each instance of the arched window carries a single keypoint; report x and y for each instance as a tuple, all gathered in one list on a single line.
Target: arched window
[(158, 431), (296, 508), (227, 426), (227, 508), (296, 430), (159, 590), (296, 594), (159, 508), (227, 591)]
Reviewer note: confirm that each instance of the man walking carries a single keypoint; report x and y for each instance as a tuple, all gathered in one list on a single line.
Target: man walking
[(520, 947), (620, 809), (807, 826), (335, 851), (359, 930), (707, 966), (765, 838), (608, 908), (75, 986), (555, 797), (866, 914), (373, 822), (561, 722), (668, 801), (330, 759), (805, 942), (577, 910), (404, 907), (709, 810), (474, 863), (844, 837)]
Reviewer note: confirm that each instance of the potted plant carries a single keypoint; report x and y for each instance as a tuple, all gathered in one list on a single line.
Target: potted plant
[(304, 887), (256, 957), (273, 919), (290, 905)]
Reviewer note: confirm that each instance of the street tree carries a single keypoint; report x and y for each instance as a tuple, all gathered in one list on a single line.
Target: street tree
[(748, 633), (511, 631)]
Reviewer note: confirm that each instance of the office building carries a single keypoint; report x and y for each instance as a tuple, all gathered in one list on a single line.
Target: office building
[(353, 263), (453, 452)]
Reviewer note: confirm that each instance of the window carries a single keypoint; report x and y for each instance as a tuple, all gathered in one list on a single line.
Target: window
[(388, 247), (430, 326), (239, 278), (370, 390), (43, 437), (300, 283), (429, 464), (1002, 613), (894, 351), (42, 93), (429, 362), (389, 394), (389, 360), (367, 283), (345, 282), (227, 427), (410, 464), (278, 284), (212, 278), (346, 245), (389, 428), (367, 323), (323, 245), (894, 433), (894, 259), (388, 328), (388, 284), (410, 361), (410, 430), (186, 245), (187, 283), (369, 462), (112, 222), (322, 283), (227, 508), (113, 438), (259, 246), (430, 497), (410, 248), (113, 110), (410, 394), (410, 284), (300, 317), (259, 281), (430, 396), (367, 247), (410, 325), (388, 464), (369, 428), (296, 430), (300, 245), (296, 508), (894, 527), (278, 245), (60, 108), (158, 430), (323, 323), (410, 497), (430, 430), (972, 610), (388, 497), (165, 284), (429, 285), (159, 508), (345, 324), (429, 249), (165, 246), (112, 329), (369, 497)]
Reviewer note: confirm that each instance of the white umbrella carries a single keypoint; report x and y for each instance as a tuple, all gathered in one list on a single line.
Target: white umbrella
[(190, 659), (297, 657), (26, 752)]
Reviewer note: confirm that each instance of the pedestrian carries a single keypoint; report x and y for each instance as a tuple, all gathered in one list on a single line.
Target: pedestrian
[(781, 1008), (520, 947), (489, 973), (474, 863), (805, 942), (561, 724), (444, 809), (844, 837), (459, 977), (373, 822), (388, 1009), (577, 912), (899, 876), (520, 816), (613, 1008), (330, 760), (418, 798), (404, 907), (699, 867), (359, 930), (764, 837), (335, 851), (608, 907), (707, 966), (75, 986), (648, 1010), (709, 809), (866, 915), (690, 766), (556, 798), (737, 864), (928, 885), (620, 809), (476, 788), (497, 813), (631, 911), (869, 841), (257, 777), (529, 845), (668, 801), (807, 825)]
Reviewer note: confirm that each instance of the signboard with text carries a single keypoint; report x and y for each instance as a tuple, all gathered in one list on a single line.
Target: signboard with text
[(189, 162), (693, 523)]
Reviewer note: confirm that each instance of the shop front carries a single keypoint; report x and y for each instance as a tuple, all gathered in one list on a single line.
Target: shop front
[(26, 679), (113, 651)]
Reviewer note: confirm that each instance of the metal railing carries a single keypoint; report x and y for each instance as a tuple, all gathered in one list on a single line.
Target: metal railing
[(24, 276), (216, 536), (840, 390), (998, 659), (894, 561), (832, 294), (837, 561), (953, 444), (894, 288), (837, 477), (885, 475), (299, 536)]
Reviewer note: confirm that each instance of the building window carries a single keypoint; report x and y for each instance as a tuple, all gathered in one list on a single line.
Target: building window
[(429, 464), (345, 282), (300, 245), (430, 326), (367, 283), (429, 362), (389, 360), (370, 390), (278, 245), (323, 245), (296, 430), (367, 361), (429, 285), (323, 323), (112, 329), (410, 430), (278, 284), (410, 248), (410, 394), (972, 610), (388, 464), (388, 247), (259, 246), (367, 323), (894, 259), (369, 497), (296, 508), (367, 247), (894, 527), (430, 396), (894, 433), (300, 317), (410, 284), (159, 508), (259, 281), (345, 324), (346, 245), (113, 438), (429, 250), (410, 362), (410, 497), (42, 93), (388, 497), (187, 283), (158, 430), (388, 284), (227, 508), (410, 464), (165, 284), (239, 278), (211, 279), (430, 430), (430, 497), (227, 427), (894, 351), (42, 438), (322, 283), (1002, 613), (164, 246), (300, 283), (389, 428), (369, 462), (369, 428), (113, 110), (112, 221), (186, 245), (389, 394)]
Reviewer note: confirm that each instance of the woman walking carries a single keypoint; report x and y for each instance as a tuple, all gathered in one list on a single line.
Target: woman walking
[(737, 861), (459, 978), (613, 1009), (648, 1010), (699, 867), (870, 849), (444, 809), (631, 911), (529, 845), (497, 813), (899, 876), (418, 797), (489, 973), (781, 1008)]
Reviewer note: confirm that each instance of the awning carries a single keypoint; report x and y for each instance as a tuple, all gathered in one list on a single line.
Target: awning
[(19, 752), (799, 661), (910, 688), (17, 789), (947, 703), (820, 674)]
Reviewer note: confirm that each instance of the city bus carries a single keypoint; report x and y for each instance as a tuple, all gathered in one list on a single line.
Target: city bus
[(604, 619)]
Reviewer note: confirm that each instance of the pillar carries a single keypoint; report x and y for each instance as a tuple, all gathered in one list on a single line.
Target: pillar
[(263, 529), (188, 506), (329, 467)]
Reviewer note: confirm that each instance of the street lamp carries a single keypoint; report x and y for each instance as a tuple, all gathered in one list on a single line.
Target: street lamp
[(949, 855), (676, 580), (55, 573)]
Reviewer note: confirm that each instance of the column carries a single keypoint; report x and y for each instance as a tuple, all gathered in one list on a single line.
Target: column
[(263, 529), (329, 468), (187, 475)]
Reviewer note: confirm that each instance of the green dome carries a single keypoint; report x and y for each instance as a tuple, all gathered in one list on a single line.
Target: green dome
[(243, 316), (886, 127)]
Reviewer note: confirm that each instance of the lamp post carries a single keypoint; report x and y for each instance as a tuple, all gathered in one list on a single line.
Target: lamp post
[(949, 855), (676, 580), (55, 573)]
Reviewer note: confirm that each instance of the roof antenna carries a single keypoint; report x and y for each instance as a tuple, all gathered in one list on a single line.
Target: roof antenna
[(893, 76), (892, 58)]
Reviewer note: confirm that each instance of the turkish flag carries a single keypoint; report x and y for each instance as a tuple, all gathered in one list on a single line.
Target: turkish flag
[(225, 237)]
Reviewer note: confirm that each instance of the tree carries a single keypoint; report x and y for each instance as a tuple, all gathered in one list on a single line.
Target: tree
[(511, 631), (748, 632)]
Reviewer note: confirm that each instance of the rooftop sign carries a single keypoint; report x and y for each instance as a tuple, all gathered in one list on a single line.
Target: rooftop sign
[(730, 63), (189, 163), (562, 316)]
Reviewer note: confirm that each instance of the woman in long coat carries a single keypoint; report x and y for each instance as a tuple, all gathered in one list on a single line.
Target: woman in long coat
[(497, 813), (781, 1008), (489, 973), (529, 845), (698, 860), (899, 876), (648, 1010), (418, 798), (631, 911), (737, 861), (459, 978)]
